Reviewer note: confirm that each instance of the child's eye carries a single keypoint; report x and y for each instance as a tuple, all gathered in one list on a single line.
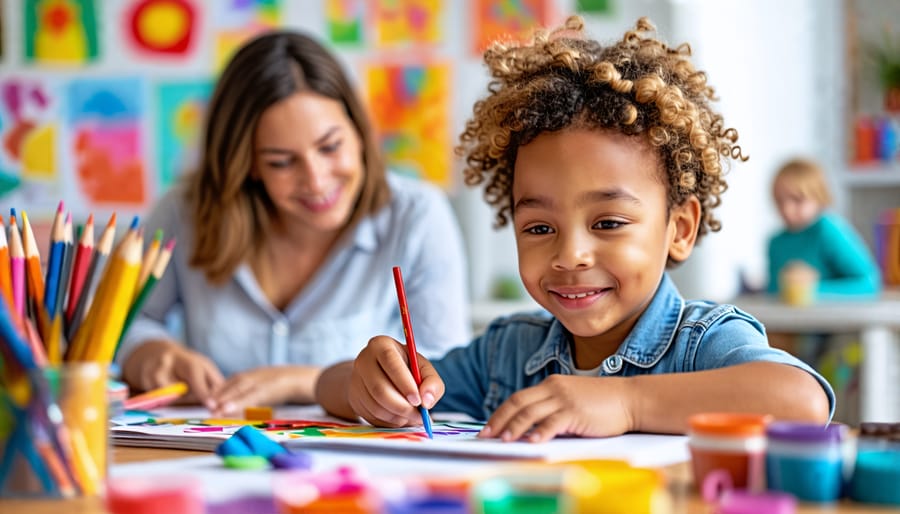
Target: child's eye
[(609, 224), (538, 230)]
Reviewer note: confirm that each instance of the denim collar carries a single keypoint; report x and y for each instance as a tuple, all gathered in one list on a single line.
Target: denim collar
[(647, 342)]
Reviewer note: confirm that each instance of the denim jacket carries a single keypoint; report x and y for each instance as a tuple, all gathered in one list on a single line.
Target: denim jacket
[(671, 336)]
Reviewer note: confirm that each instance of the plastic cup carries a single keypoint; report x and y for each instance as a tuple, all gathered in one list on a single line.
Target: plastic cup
[(54, 434)]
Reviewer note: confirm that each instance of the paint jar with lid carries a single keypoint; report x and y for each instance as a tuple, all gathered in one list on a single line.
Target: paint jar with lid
[(876, 474), (730, 441), (616, 487), (805, 459)]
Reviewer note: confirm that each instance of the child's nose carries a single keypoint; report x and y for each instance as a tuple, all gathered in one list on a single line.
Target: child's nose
[(575, 251)]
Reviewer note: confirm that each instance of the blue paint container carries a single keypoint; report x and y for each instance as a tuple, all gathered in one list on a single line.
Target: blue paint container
[(804, 459), (877, 472)]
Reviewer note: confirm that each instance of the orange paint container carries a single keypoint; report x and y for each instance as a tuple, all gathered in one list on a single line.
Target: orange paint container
[(733, 442)]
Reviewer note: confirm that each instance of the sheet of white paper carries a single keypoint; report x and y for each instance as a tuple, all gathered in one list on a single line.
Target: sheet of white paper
[(637, 449)]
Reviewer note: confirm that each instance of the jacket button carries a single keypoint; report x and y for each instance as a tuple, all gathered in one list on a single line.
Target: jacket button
[(613, 364)]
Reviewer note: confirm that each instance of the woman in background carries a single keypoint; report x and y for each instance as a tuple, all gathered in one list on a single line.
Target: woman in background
[(815, 241), (286, 235)]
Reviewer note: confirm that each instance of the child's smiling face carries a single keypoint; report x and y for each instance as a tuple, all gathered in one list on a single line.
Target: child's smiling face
[(593, 234)]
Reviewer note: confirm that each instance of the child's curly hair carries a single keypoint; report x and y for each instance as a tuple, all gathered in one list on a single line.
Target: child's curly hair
[(636, 86)]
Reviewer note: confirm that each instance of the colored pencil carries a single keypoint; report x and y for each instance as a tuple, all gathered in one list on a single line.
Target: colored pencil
[(149, 259), (113, 300), (411, 344), (80, 266), (54, 260), (17, 268), (5, 271), (65, 275), (159, 267), (92, 279), (157, 397), (33, 274)]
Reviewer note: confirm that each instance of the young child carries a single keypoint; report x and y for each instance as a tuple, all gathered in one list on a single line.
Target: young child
[(817, 241), (608, 160)]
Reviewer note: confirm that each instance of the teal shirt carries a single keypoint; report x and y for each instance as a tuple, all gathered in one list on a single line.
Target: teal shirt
[(831, 246)]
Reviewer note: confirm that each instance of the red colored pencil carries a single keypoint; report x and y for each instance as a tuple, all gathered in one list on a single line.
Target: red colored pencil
[(410, 344)]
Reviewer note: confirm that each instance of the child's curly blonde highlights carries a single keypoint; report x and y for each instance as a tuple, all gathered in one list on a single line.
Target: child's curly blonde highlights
[(637, 86)]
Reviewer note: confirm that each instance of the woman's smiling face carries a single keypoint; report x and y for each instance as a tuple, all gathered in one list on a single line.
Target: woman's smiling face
[(308, 156)]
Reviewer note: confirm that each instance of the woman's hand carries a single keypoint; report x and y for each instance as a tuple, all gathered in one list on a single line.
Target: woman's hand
[(160, 363), (382, 388), (563, 405), (264, 386)]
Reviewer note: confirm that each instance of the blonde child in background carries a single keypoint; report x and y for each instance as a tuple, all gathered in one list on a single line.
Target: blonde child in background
[(816, 243), (609, 162)]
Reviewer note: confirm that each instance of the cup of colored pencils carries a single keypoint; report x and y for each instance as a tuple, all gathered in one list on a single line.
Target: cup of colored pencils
[(61, 321)]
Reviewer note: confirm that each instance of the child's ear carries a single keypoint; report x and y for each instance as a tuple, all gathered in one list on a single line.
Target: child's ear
[(684, 221)]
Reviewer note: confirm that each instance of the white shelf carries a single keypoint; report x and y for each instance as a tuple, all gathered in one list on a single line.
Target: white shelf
[(872, 175)]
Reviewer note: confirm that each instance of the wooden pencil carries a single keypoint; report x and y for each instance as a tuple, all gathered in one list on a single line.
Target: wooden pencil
[(92, 279), (85, 336), (35, 280), (80, 266), (113, 307), (159, 268), (148, 261), (5, 271), (17, 268), (66, 273), (54, 260)]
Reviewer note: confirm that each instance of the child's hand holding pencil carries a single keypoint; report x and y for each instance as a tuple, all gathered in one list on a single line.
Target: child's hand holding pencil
[(382, 388)]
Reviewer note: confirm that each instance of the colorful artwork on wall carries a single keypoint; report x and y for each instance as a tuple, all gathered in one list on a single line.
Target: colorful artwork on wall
[(180, 114), (105, 123), (28, 132), (411, 108), (162, 27), (344, 21), (507, 19), (60, 31), (407, 22), (236, 21), (598, 7)]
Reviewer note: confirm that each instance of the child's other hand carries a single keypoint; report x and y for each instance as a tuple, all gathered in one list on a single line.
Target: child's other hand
[(563, 405), (160, 363), (383, 390), (274, 385)]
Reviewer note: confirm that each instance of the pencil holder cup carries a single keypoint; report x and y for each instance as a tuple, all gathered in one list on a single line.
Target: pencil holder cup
[(806, 460), (735, 443), (54, 433)]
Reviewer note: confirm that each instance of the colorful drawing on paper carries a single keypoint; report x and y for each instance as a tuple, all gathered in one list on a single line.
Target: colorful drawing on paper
[(596, 7), (296, 429), (180, 108), (411, 109), (506, 19), (60, 31), (236, 21), (407, 22), (105, 122), (28, 133), (344, 20), (162, 27)]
